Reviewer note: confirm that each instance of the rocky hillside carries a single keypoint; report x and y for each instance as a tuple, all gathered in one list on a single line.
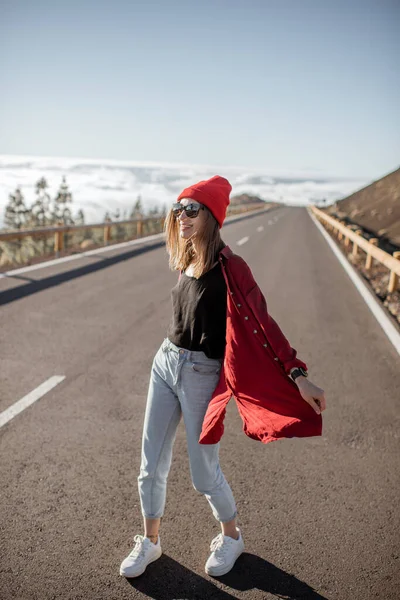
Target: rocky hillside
[(376, 208)]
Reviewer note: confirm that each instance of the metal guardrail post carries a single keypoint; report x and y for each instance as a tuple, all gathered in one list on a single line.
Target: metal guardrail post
[(355, 245), (107, 234), (394, 278), (58, 240), (368, 261)]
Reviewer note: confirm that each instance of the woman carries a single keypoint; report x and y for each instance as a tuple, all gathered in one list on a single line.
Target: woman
[(186, 371)]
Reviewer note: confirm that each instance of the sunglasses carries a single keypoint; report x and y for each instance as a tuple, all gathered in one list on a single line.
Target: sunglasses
[(191, 210)]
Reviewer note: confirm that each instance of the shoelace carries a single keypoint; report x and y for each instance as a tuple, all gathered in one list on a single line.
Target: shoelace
[(219, 545), (138, 550)]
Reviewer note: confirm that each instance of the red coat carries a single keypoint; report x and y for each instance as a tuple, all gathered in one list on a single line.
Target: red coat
[(256, 366)]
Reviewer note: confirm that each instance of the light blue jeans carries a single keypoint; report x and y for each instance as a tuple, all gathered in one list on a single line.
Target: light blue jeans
[(181, 382)]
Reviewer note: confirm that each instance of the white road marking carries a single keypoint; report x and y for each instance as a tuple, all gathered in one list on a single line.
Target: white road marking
[(30, 398), (368, 297), (243, 241), (261, 228)]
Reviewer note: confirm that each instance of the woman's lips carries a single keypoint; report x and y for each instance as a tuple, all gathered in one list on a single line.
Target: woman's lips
[(186, 226)]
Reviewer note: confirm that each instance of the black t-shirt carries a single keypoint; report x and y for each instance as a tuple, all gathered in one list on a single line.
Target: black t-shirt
[(199, 313)]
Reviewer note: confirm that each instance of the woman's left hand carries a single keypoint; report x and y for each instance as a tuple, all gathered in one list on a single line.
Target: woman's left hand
[(314, 395)]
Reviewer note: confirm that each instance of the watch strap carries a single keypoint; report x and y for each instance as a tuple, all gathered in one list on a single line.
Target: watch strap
[(297, 372)]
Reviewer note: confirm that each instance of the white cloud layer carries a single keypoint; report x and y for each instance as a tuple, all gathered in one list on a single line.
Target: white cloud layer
[(99, 185)]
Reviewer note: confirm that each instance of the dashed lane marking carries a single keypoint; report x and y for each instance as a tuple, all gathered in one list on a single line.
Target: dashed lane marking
[(29, 399), (243, 241)]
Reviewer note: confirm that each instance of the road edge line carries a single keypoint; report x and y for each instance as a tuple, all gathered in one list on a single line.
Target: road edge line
[(369, 298)]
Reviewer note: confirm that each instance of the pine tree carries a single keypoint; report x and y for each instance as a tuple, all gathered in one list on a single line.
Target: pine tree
[(80, 217), (61, 211), (137, 210), (16, 212), (40, 211), (17, 216), (119, 229), (153, 211)]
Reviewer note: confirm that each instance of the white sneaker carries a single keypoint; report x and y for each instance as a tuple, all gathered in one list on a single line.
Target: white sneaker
[(225, 551), (142, 554)]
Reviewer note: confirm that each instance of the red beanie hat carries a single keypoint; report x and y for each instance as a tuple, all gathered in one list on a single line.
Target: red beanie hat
[(213, 193)]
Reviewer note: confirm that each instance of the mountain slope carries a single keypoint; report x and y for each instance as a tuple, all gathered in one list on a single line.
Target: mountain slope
[(375, 207)]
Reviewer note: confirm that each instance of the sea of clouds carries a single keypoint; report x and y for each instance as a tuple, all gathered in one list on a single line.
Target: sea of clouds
[(99, 185)]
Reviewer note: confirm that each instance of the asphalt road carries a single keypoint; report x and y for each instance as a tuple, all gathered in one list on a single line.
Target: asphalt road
[(319, 516)]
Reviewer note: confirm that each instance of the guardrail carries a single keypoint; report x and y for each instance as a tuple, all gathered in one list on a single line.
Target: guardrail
[(142, 226), (391, 262)]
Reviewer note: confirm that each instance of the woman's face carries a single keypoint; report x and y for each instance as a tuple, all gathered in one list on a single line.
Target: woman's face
[(188, 226)]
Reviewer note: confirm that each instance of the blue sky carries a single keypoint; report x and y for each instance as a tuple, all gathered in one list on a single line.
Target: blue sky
[(289, 85)]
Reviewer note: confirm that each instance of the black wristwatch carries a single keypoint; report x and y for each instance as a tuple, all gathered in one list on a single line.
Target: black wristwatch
[(298, 371)]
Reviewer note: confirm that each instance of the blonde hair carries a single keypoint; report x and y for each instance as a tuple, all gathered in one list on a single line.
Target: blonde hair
[(181, 252)]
